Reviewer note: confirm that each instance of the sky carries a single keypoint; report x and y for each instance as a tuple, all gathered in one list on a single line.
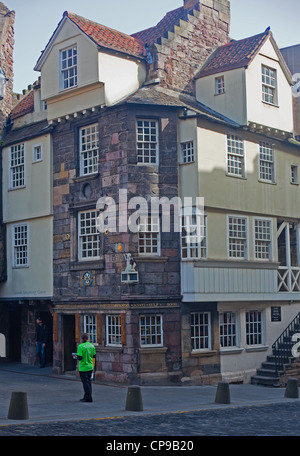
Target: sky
[(36, 20)]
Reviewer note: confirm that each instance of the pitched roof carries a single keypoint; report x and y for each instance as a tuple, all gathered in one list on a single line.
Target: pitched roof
[(106, 37), (233, 55), (25, 106)]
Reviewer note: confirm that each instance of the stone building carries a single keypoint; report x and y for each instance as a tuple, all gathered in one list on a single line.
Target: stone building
[(7, 19), (115, 136)]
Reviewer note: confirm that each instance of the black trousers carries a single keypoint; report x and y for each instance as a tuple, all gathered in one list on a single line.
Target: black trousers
[(87, 384)]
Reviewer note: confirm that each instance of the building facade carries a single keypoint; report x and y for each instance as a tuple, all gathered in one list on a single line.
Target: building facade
[(173, 115)]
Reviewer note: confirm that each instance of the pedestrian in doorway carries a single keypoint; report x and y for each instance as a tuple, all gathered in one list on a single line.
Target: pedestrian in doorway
[(86, 355), (41, 340)]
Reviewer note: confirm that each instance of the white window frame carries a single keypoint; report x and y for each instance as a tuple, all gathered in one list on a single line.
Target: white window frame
[(200, 341), (270, 241), (17, 166), (66, 75), (35, 147), (228, 329), (266, 162), (17, 244), (235, 156), (294, 175), (147, 135), (85, 237), (89, 149), (256, 331), (149, 237), (90, 327), (193, 234), (219, 85), (238, 238), (113, 330), (187, 150), (151, 330), (269, 85)]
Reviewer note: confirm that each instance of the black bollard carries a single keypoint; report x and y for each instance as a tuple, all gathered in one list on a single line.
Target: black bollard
[(134, 401), (292, 388), (223, 393), (18, 408)]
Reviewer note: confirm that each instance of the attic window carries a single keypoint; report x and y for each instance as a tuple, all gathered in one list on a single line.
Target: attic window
[(269, 85), (68, 68), (219, 85)]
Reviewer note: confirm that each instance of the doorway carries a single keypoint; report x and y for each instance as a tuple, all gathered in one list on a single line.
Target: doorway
[(69, 343), (15, 335)]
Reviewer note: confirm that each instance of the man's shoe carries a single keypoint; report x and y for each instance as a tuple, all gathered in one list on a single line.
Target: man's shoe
[(86, 400)]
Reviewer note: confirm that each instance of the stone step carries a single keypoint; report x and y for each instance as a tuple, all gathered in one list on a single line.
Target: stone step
[(266, 381)]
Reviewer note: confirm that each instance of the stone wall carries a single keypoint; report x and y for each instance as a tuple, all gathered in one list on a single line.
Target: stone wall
[(182, 52), (158, 288)]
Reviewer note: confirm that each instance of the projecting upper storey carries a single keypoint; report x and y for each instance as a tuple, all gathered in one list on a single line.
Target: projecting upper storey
[(86, 64), (249, 82)]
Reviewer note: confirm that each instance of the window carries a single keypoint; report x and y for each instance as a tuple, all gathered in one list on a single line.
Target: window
[(147, 142), (200, 331), (68, 68), (151, 332), (89, 236), (113, 330), (263, 239), (237, 234), (235, 156), (266, 162), (149, 235), (219, 85), (228, 329), (37, 153), (269, 85), (20, 245), (89, 149), (193, 234), (254, 327), (17, 166), (294, 174), (90, 327), (187, 152)]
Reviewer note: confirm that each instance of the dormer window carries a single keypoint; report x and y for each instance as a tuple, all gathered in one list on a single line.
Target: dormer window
[(269, 85), (219, 85), (68, 68)]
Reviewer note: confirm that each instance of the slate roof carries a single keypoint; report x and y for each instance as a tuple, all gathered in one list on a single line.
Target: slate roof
[(160, 96), (108, 38), (233, 55)]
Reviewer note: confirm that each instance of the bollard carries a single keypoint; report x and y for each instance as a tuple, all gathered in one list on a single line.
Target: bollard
[(134, 401), (223, 393), (18, 408), (292, 388)]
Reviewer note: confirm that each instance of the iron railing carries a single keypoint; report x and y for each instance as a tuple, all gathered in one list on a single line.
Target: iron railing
[(282, 347)]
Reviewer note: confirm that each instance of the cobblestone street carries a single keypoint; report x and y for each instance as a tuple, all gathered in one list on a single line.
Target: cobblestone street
[(266, 420)]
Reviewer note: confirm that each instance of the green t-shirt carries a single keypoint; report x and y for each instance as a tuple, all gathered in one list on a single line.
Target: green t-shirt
[(87, 351)]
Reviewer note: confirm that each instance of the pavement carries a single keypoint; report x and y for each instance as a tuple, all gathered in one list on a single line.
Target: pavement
[(53, 398)]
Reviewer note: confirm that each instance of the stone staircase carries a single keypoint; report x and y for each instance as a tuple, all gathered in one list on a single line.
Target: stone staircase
[(273, 370)]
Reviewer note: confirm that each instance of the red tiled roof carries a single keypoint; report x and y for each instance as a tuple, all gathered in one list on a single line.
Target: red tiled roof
[(108, 38), (151, 35), (25, 106), (235, 54)]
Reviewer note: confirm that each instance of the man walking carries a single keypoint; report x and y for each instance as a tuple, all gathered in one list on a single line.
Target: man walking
[(40, 340), (86, 354)]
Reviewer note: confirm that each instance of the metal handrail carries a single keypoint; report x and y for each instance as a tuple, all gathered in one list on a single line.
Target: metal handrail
[(282, 346)]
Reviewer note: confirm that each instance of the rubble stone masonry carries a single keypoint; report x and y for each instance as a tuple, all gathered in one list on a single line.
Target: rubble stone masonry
[(185, 48)]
